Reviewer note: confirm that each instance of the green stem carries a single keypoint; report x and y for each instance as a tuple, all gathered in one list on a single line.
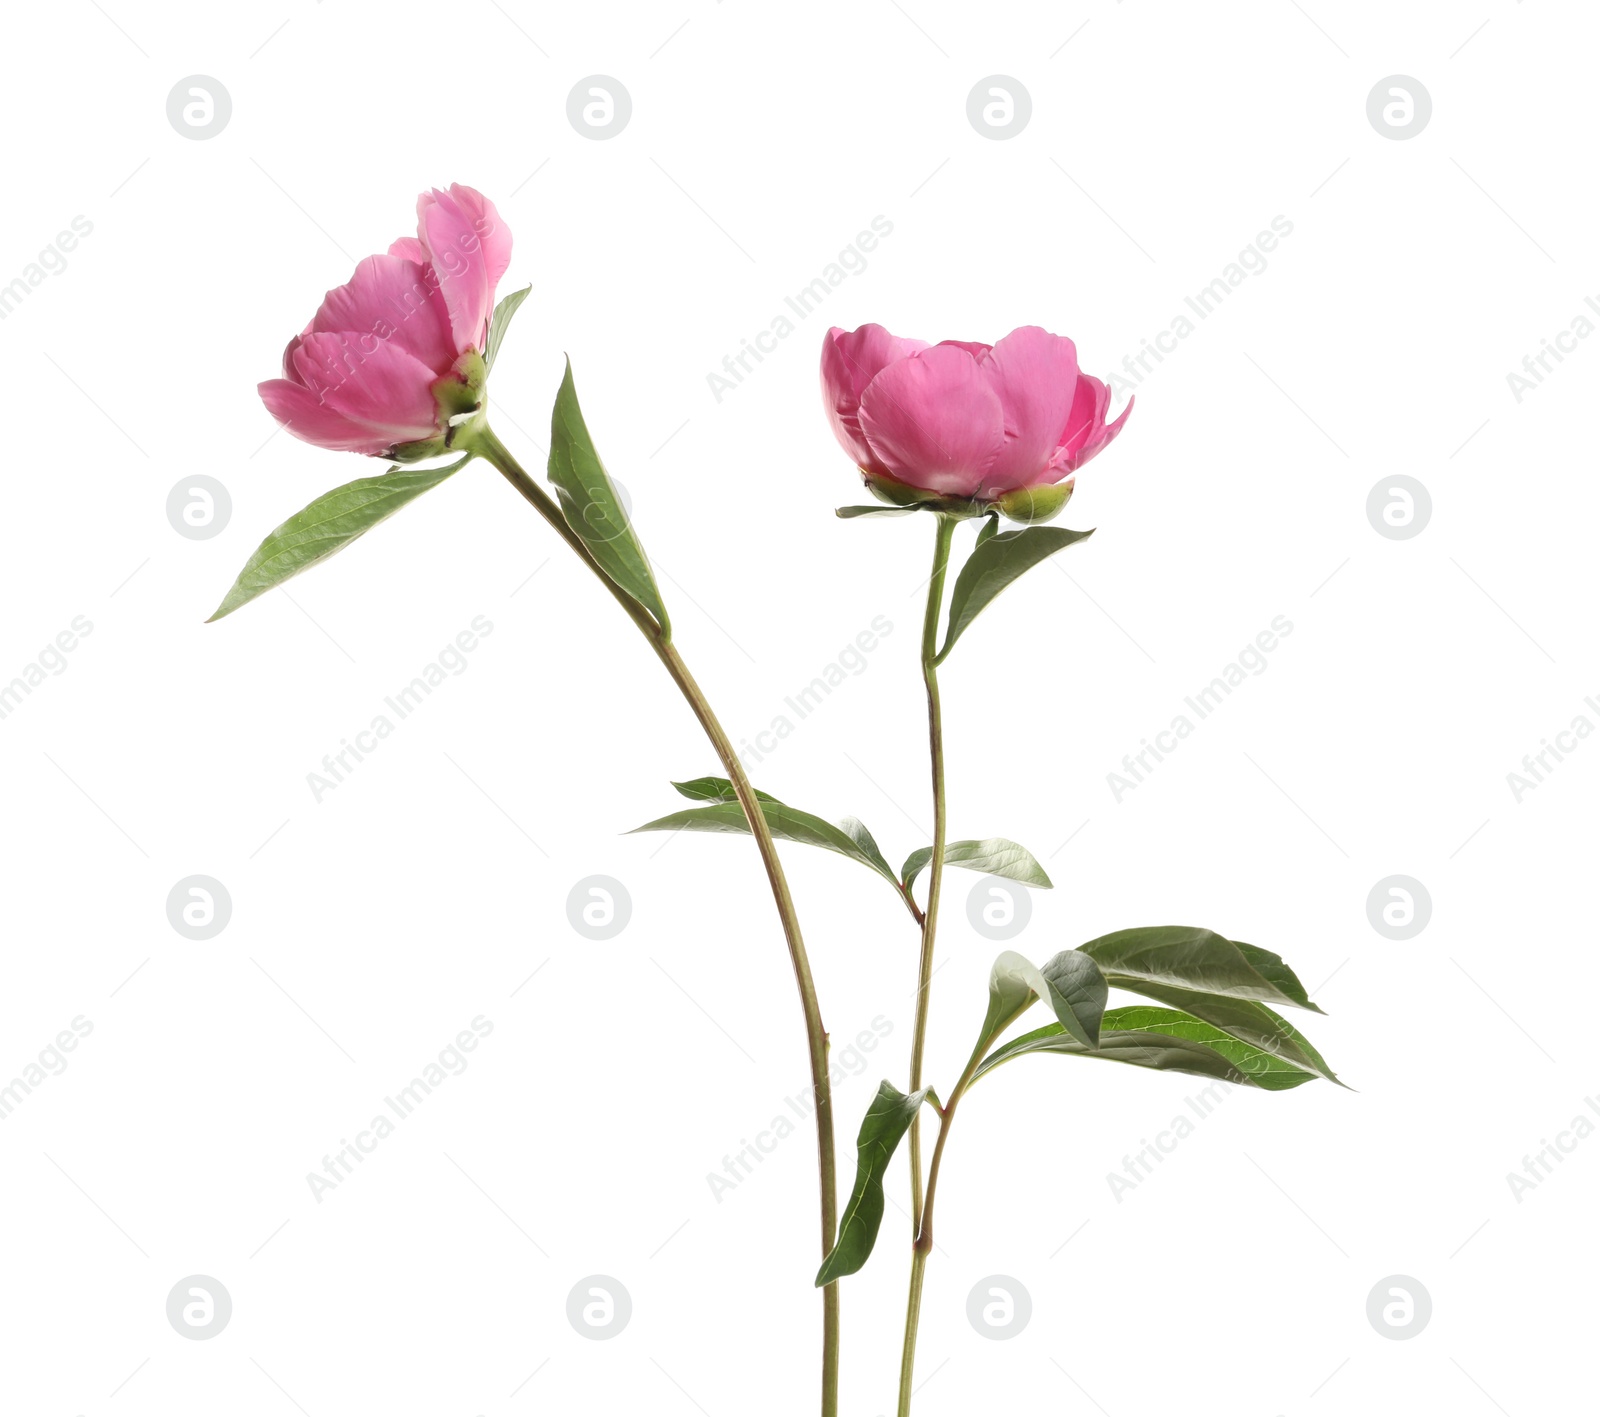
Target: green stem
[(908, 1352), (945, 529), (924, 1245), (483, 442)]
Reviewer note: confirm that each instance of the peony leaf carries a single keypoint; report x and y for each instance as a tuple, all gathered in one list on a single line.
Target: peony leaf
[(881, 1129), (1250, 1022), (994, 856), (787, 823), (716, 789), (327, 526), (995, 562), (1078, 994), (1167, 1040), (1186, 957), (1073, 988), (591, 506)]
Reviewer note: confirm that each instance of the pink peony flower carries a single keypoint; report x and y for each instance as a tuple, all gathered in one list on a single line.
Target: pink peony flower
[(362, 376), (963, 420)]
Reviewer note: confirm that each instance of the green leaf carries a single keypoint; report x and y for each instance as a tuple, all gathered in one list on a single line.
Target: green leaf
[(1263, 1069), (1184, 957), (1245, 1019), (1014, 984), (1078, 994), (788, 824), (994, 563), (991, 524), (1166, 1040), (716, 789), (591, 506), (850, 513), (1073, 989), (881, 1129), (327, 525), (1143, 1050), (866, 844), (498, 322), (1272, 968), (994, 856)]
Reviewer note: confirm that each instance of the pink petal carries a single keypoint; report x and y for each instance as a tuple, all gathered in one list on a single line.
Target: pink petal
[(1088, 413), (296, 407), (934, 421), (469, 248), (1107, 435), (408, 248), (494, 233), (1087, 434), (374, 384), (850, 361), (392, 298), (1035, 375), (972, 347)]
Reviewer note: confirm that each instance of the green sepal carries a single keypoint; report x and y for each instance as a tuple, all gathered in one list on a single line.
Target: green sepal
[(903, 495), (1035, 504), (500, 321)]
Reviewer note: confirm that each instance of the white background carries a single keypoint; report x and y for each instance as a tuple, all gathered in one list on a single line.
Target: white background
[(372, 926)]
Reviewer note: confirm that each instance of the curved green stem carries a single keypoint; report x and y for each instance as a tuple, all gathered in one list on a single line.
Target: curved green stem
[(483, 442), (945, 530)]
